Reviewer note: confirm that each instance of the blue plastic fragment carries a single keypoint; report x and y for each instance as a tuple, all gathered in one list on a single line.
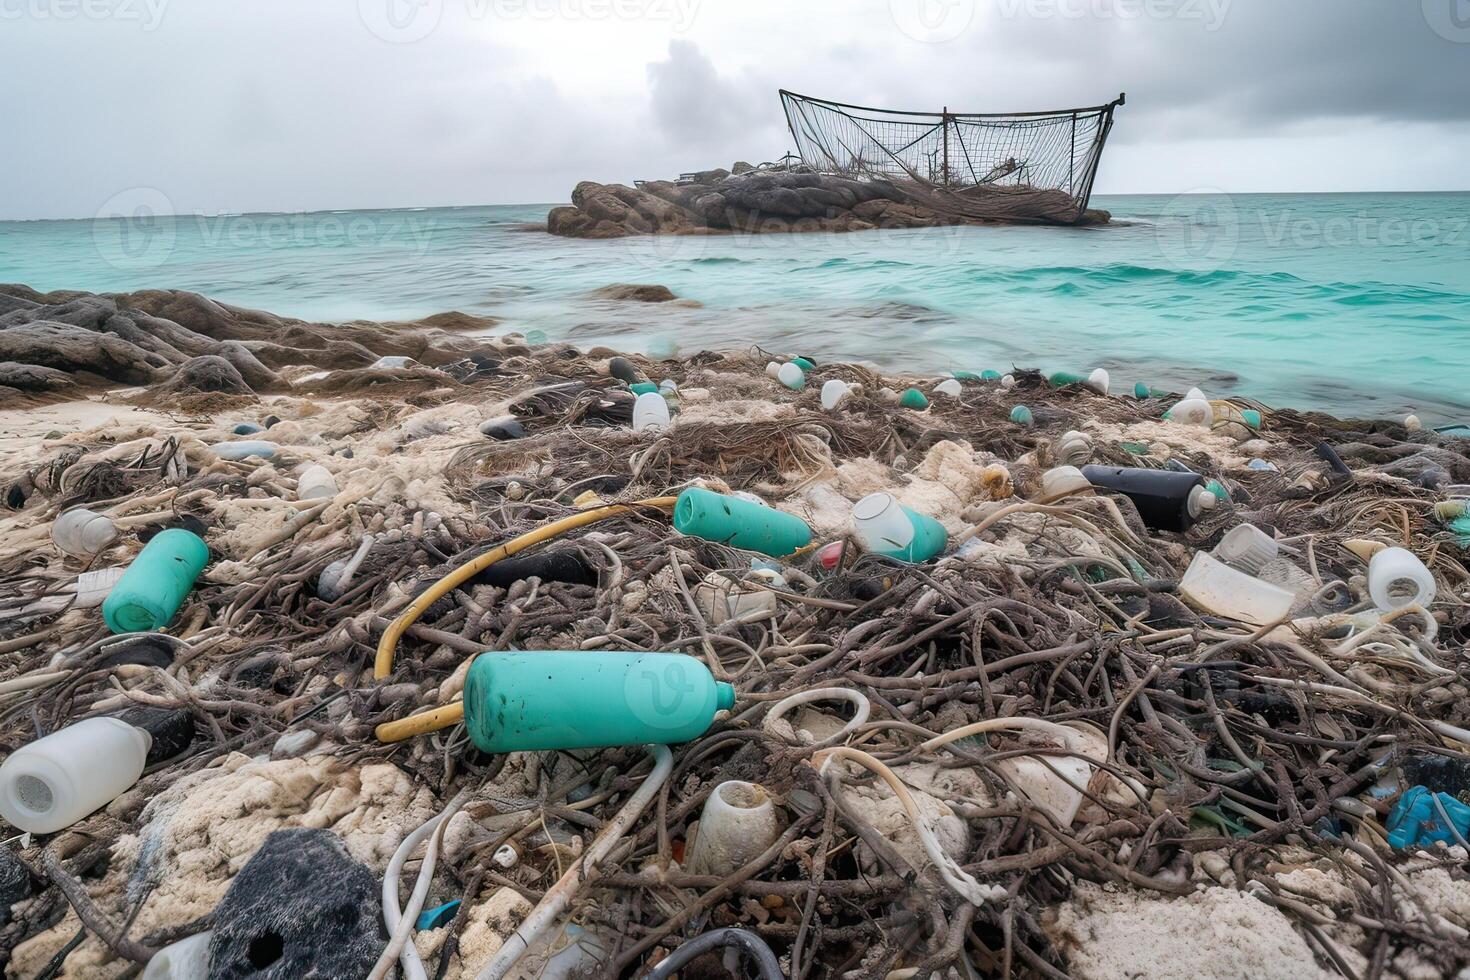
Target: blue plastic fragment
[(434, 918), (248, 429), (1419, 819)]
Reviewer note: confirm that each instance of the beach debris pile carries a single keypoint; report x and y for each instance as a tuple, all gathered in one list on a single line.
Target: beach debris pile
[(531, 661)]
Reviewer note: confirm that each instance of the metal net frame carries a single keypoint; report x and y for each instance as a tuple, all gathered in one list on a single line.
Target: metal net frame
[(1057, 150)]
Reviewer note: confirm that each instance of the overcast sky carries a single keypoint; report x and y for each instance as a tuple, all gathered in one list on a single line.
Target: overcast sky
[(287, 105)]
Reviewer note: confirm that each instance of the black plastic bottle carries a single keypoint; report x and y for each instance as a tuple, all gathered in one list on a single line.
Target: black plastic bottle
[(1166, 500)]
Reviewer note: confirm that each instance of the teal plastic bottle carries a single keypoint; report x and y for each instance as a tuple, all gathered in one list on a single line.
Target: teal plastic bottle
[(573, 699), (156, 583), (739, 523)]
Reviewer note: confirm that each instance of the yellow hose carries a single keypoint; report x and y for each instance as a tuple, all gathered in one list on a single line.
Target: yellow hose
[(388, 646), (421, 724)]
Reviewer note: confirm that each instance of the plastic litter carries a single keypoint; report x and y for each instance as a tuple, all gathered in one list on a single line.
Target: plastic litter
[(1247, 548), (834, 393), (951, 388), (245, 449), (885, 527), (1021, 415), (187, 959), (1421, 818), (315, 483), (1166, 500), (503, 429), (650, 411), (1221, 590), (739, 523), (791, 376), (915, 399), (55, 781), (1397, 579), (738, 822), (82, 533), (550, 699), (155, 585)]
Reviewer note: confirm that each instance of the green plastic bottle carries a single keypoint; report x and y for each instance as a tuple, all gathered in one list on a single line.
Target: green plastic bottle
[(643, 388), (990, 374), (739, 523), (1021, 415), (564, 699), (915, 399), (1060, 379), (806, 364), (1141, 390), (964, 376), (156, 583)]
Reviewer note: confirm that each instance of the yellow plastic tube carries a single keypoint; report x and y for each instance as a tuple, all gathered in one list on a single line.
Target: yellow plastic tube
[(388, 646)]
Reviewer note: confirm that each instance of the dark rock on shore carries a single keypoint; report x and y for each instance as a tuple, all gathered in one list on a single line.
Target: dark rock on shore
[(183, 342), (300, 909), (749, 200)]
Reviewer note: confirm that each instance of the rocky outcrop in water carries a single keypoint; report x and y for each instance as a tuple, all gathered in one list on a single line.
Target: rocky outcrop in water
[(719, 201)]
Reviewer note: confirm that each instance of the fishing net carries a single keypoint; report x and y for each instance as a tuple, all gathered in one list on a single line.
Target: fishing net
[(1055, 151)]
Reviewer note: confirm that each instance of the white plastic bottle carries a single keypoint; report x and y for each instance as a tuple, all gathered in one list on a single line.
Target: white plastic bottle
[(950, 387), (1193, 411), (55, 781), (792, 376), (1099, 381), (82, 533), (1247, 548), (315, 482), (737, 824), (1397, 579), (187, 959), (650, 411), (834, 392)]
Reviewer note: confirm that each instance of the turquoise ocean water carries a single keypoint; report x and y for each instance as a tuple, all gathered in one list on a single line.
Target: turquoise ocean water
[(1352, 303)]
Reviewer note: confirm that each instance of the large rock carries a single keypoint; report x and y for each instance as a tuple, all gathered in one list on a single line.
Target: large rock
[(636, 292), (30, 377), (208, 373), (67, 347), (300, 909)]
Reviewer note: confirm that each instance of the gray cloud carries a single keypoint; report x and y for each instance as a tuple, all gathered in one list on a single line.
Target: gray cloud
[(279, 105)]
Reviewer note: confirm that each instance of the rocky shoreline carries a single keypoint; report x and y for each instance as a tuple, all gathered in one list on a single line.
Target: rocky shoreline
[(748, 201)]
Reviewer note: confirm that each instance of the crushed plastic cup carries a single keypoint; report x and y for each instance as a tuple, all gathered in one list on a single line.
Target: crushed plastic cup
[(1215, 587)]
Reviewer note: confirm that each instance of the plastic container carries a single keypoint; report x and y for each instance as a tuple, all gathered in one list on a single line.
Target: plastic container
[(806, 364), (951, 388), (1099, 381), (156, 583), (82, 533), (391, 362), (1060, 379), (244, 449), (650, 411), (736, 826), (315, 482), (722, 598), (913, 398), (503, 429), (1192, 411), (1060, 480), (643, 387), (247, 429), (1215, 587), (1418, 819), (1141, 390), (1021, 415), (55, 781), (1009, 381), (1166, 500), (739, 523), (1247, 548), (187, 959), (1072, 448), (883, 526), (554, 699), (834, 393), (773, 370), (1397, 579), (990, 374), (791, 376), (1194, 394)]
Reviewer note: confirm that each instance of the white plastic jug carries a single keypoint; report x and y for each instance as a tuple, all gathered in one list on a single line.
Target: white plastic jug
[(1397, 579), (315, 482), (951, 388), (82, 533), (55, 781), (791, 376), (650, 411), (834, 393)]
